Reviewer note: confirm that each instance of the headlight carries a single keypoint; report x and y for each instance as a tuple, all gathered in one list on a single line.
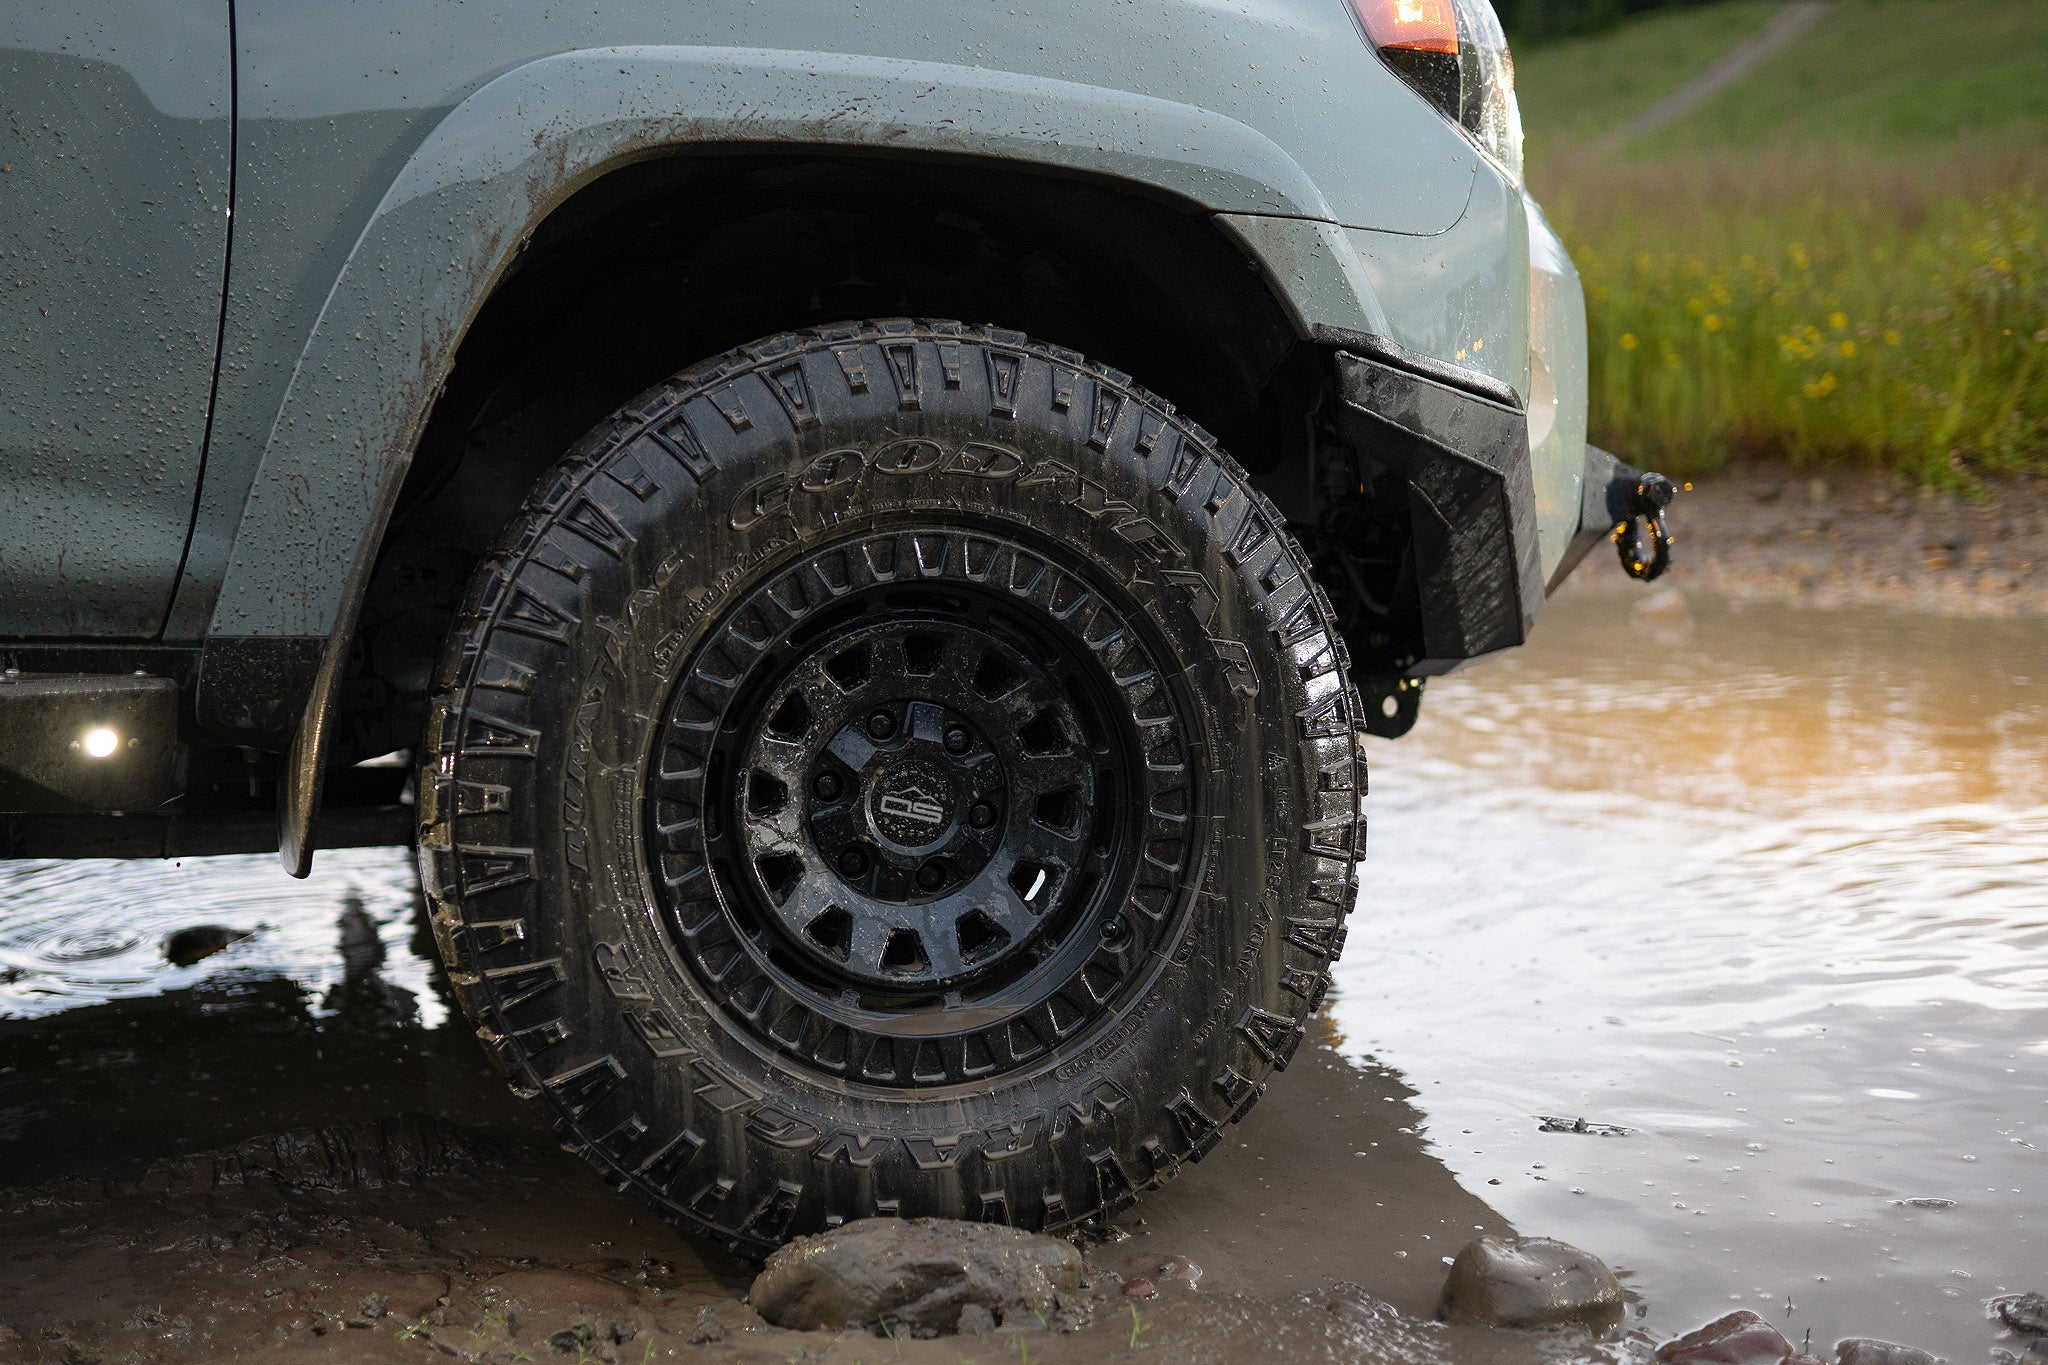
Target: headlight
[(1455, 56)]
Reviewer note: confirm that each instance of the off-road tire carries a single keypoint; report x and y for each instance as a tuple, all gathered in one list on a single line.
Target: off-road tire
[(646, 1002)]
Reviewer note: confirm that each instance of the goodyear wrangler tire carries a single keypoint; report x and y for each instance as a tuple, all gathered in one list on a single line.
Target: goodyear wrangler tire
[(899, 768)]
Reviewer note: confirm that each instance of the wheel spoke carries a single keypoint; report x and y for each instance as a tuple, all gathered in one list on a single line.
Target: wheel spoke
[(851, 747), (1055, 771), (928, 722), (781, 758), (870, 938)]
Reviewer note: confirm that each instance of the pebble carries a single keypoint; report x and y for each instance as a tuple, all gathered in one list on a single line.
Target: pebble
[(1140, 1288), (915, 1273), (1530, 1282), (1740, 1338), (708, 1330), (376, 1291), (2025, 1313), (1870, 1351), (200, 942)]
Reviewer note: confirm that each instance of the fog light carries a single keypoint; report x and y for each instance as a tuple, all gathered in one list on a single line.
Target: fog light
[(101, 742)]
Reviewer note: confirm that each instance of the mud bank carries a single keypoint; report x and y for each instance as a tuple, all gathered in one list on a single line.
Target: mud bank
[(1856, 536), (411, 1238)]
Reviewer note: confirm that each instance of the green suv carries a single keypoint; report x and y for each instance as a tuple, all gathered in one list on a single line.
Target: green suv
[(860, 762)]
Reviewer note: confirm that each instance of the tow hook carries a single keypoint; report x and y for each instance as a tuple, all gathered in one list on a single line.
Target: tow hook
[(1645, 516), (1625, 505)]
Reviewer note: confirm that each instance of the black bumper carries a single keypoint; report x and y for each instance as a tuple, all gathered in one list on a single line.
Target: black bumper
[(1458, 449)]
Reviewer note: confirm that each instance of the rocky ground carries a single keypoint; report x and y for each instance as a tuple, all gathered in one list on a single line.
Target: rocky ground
[(413, 1239), (1855, 536)]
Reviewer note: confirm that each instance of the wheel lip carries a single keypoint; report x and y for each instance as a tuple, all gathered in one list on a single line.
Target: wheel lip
[(1203, 783)]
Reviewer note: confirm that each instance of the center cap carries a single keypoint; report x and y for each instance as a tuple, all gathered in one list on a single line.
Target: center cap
[(911, 803)]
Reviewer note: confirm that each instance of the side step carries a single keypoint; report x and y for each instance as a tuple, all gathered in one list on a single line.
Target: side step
[(72, 743)]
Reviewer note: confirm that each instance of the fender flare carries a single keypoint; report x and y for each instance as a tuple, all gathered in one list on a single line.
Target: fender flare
[(501, 160)]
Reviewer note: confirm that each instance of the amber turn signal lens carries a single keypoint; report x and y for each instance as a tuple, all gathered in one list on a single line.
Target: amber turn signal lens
[(1410, 25)]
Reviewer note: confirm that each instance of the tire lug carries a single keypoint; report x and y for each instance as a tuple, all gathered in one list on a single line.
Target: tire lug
[(881, 725), (1114, 930), (853, 862), (981, 815), (956, 740), (931, 876), (826, 786)]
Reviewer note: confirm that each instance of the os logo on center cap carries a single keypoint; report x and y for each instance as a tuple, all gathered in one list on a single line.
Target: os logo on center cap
[(911, 804)]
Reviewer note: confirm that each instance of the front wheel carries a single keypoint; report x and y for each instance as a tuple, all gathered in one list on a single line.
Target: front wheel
[(899, 768)]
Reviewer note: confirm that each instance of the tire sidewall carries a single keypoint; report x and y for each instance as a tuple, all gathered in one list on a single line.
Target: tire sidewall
[(632, 553)]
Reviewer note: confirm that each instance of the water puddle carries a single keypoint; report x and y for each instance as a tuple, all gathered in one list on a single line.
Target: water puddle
[(1764, 890), (1767, 888)]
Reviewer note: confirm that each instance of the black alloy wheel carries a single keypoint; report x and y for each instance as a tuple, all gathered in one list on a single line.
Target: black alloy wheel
[(899, 768)]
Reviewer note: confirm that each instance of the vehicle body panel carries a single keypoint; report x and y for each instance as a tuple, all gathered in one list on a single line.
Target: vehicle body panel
[(335, 103), (114, 191), (390, 161)]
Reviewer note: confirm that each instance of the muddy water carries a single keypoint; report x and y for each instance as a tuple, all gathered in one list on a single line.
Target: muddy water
[(1767, 887)]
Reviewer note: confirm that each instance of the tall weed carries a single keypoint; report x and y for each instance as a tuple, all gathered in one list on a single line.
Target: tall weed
[(1860, 306)]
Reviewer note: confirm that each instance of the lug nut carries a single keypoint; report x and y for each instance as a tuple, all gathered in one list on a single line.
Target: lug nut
[(1113, 929), (853, 862), (826, 786), (881, 725), (931, 876), (956, 740), (981, 815)]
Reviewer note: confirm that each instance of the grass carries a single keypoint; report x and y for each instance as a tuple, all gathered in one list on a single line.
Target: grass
[(1839, 259), (1572, 91)]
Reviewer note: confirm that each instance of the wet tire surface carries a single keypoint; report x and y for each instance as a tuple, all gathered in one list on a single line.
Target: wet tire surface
[(570, 806)]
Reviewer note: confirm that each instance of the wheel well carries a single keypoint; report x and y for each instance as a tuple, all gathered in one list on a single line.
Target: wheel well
[(666, 262)]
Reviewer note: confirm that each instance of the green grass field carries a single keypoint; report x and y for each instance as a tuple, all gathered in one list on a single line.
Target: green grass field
[(1838, 258)]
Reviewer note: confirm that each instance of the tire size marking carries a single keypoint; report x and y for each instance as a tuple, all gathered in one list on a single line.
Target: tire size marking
[(846, 467)]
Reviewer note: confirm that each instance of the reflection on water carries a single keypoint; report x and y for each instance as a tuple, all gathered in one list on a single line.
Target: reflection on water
[(1773, 894), (317, 1006), (78, 933)]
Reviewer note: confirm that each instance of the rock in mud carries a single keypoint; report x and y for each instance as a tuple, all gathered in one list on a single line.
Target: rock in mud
[(918, 1273), (377, 1292), (1530, 1282), (1870, 1351), (1740, 1338), (201, 941), (2024, 1313)]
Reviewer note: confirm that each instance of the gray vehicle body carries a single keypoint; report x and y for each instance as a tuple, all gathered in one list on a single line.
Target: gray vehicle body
[(250, 250)]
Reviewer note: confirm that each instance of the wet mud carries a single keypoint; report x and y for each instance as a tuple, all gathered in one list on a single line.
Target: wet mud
[(1710, 938)]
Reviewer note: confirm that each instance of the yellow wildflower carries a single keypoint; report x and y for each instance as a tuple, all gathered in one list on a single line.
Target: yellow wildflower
[(1891, 336), (1628, 341), (1821, 387), (1712, 322), (1838, 321), (1800, 259), (1847, 348)]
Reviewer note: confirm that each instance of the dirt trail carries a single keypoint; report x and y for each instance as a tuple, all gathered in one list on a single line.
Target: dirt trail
[(1837, 537), (1785, 28)]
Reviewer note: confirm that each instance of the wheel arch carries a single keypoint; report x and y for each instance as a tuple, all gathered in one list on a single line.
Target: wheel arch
[(498, 168)]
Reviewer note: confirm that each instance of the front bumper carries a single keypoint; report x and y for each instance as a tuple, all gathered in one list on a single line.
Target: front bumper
[(1458, 452)]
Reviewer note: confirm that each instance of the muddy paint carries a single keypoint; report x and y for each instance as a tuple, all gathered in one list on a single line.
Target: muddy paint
[(1767, 886)]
